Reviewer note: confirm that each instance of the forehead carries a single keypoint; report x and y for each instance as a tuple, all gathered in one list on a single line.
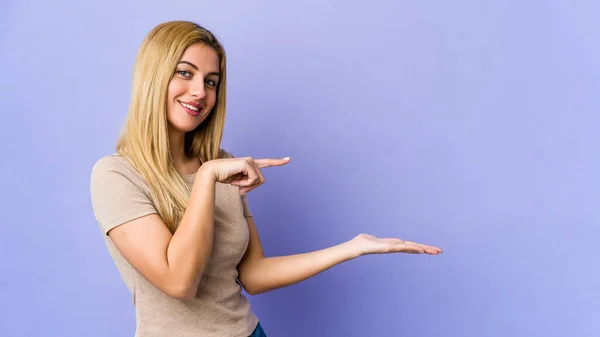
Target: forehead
[(202, 56)]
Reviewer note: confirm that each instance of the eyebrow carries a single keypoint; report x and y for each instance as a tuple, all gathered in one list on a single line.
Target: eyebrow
[(196, 68)]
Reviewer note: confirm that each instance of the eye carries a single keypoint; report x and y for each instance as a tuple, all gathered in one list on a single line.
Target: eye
[(184, 73), (211, 83)]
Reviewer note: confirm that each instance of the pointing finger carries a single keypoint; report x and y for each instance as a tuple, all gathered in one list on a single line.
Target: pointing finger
[(262, 163)]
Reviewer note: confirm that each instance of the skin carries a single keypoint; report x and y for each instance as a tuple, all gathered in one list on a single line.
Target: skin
[(195, 81), (174, 263)]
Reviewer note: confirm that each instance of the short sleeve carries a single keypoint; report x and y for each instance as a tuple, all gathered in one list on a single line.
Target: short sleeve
[(116, 199)]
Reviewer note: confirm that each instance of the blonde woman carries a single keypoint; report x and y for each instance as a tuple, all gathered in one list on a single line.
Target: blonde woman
[(172, 204)]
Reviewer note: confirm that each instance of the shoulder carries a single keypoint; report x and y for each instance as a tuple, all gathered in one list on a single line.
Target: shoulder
[(114, 166), (109, 163), (113, 163)]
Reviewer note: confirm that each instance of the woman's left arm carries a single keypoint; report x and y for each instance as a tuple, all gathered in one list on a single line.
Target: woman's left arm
[(259, 274)]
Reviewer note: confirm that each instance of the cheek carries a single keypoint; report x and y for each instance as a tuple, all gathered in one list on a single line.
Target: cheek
[(212, 97), (176, 88)]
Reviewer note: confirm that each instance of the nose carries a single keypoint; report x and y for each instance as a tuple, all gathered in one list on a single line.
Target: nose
[(197, 90)]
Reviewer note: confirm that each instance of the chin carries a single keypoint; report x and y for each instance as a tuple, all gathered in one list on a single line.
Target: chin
[(184, 125), (183, 128)]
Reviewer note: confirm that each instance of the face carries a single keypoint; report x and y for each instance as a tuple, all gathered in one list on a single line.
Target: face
[(192, 92)]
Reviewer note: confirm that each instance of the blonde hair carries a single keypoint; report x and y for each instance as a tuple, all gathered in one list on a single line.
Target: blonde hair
[(144, 141)]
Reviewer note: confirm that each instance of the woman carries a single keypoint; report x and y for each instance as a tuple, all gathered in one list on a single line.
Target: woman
[(172, 204)]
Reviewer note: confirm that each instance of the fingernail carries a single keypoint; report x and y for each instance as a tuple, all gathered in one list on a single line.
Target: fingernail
[(286, 158)]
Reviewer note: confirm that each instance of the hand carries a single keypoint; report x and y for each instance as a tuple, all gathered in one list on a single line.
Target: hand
[(242, 172), (369, 244)]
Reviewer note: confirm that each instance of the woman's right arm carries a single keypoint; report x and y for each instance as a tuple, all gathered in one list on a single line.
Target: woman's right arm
[(172, 263)]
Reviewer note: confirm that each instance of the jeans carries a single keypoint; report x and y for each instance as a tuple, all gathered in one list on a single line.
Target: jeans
[(258, 332)]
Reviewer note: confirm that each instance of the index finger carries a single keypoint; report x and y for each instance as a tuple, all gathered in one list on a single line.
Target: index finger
[(271, 162)]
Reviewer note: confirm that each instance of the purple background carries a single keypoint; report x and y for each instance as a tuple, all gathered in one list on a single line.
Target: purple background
[(469, 125)]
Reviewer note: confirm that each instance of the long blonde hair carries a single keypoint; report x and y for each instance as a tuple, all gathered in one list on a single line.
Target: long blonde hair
[(144, 141)]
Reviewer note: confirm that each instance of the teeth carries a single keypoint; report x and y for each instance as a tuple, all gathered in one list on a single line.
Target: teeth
[(191, 107)]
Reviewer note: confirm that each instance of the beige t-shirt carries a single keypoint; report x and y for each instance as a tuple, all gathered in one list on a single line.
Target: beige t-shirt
[(120, 194)]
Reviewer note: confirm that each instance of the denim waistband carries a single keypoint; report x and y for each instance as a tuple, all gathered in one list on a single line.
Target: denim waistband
[(258, 332)]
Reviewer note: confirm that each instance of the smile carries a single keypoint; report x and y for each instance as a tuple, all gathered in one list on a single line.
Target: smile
[(191, 109)]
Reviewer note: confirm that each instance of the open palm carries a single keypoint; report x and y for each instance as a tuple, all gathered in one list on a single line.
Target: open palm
[(369, 244)]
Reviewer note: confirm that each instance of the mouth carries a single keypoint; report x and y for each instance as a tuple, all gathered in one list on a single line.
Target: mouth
[(191, 108)]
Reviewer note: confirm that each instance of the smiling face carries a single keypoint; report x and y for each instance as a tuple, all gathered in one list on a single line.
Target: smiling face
[(192, 91)]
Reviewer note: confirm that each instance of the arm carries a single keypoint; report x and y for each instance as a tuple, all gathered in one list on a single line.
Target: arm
[(259, 274), (173, 263)]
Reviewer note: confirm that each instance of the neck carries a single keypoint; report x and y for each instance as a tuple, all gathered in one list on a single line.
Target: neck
[(176, 145), (182, 163)]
